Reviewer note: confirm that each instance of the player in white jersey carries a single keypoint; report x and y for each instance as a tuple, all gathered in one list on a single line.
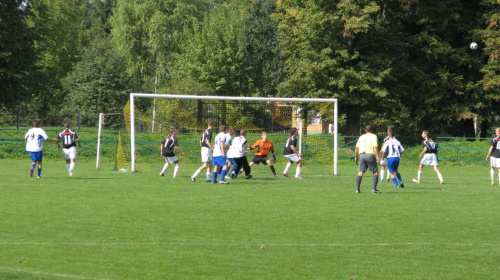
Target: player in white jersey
[(392, 150), (237, 151), (220, 158), (33, 140)]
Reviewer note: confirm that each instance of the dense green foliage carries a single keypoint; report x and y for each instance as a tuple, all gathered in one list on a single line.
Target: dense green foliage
[(405, 62)]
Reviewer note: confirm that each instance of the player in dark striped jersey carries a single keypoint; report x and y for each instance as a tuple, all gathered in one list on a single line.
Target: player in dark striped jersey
[(69, 140), (292, 154), (430, 157), (168, 147), (206, 153), (494, 156)]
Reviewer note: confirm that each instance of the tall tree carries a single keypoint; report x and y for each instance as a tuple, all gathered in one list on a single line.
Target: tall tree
[(332, 49), (442, 96), (97, 84), (17, 52), (149, 32), (490, 82), (259, 47), (212, 55), (59, 24)]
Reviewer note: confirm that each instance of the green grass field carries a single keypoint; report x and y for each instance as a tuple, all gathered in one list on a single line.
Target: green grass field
[(103, 224)]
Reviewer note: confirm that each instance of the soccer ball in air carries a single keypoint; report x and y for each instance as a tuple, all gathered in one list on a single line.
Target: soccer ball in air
[(473, 45)]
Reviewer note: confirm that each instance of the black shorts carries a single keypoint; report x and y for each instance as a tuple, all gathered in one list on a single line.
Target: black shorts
[(259, 159)]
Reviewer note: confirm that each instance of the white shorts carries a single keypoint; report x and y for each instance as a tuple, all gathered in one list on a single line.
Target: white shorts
[(429, 159), (383, 161), (206, 154), (173, 159), (293, 157), (69, 153), (495, 162)]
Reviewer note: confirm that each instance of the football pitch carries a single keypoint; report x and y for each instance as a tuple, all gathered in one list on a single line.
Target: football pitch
[(103, 224)]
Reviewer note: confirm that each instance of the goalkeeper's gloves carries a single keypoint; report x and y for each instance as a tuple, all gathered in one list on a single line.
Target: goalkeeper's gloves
[(274, 158)]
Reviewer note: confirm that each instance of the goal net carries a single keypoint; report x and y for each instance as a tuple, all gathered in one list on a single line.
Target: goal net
[(149, 117)]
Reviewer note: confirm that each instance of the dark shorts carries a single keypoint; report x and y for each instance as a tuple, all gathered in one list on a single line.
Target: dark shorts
[(36, 156), (367, 161), (259, 159)]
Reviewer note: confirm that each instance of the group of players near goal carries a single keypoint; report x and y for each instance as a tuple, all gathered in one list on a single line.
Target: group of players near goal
[(227, 154), (231, 152)]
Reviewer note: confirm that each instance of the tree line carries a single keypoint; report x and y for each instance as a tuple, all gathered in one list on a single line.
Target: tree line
[(402, 62)]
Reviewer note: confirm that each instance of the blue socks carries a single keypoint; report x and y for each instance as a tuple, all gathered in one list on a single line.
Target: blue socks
[(223, 175), (395, 181)]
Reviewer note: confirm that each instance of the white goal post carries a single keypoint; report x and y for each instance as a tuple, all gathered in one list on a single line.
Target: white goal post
[(232, 98)]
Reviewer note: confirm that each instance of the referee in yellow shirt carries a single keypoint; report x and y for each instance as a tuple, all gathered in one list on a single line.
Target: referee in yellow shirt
[(366, 153)]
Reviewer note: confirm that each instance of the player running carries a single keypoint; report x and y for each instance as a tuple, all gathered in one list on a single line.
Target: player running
[(494, 152), (237, 151), (220, 156), (292, 154), (168, 147), (392, 150), (430, 158), (33, 139), (69, 139), (206, 152)]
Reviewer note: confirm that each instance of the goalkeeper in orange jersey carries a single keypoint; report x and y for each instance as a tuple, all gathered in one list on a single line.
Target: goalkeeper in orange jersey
[(263, 147)]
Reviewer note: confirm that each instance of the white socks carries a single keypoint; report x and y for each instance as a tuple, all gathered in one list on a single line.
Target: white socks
[(176, 170), (440, 177), (196, 173), (297, 171), (164, 168), (287, 167)]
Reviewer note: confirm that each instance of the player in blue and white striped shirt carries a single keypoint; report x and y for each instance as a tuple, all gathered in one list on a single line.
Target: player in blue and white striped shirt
[(220, 157), (392, 150)]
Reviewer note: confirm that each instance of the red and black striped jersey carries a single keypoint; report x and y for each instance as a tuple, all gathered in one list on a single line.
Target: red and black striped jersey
[(432, 146), (207, 135), (168, 146), (291, 140), (495, 142)]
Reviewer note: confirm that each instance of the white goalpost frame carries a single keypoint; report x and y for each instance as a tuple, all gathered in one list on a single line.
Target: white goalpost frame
[(208, 97)]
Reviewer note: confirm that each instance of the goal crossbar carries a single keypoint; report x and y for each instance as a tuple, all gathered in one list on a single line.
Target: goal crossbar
[(234, 98)]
